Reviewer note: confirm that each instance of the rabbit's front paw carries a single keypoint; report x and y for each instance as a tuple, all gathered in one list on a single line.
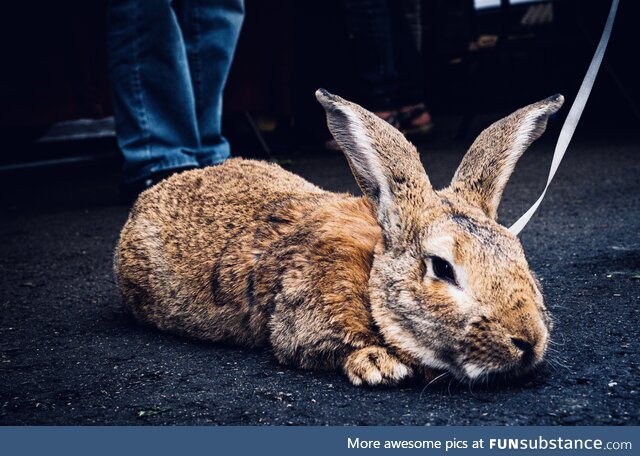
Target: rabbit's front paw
[(374, 366)]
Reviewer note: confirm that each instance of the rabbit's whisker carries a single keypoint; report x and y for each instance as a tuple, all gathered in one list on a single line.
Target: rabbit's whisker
[(431, 382)]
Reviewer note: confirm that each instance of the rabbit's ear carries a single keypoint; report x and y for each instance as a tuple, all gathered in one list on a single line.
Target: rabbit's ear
[(386, 166), (487, 166)]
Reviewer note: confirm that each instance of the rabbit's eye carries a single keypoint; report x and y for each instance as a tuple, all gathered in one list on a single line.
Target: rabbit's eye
[(443, 269)]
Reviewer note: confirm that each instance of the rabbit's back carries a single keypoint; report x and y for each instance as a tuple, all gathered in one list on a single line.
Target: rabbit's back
[(185, 257)]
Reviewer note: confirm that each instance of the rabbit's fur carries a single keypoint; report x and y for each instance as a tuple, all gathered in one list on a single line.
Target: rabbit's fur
[(248, 253)]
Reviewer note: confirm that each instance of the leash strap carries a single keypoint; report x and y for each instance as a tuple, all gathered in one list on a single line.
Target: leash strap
[(573, 117)]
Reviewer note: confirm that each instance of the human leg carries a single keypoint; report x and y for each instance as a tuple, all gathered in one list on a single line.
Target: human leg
[(371, 33), (413, 116), (153, 95), (211, 30)]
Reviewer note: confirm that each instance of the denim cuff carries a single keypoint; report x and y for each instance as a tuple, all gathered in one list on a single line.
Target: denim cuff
[(213, 159)]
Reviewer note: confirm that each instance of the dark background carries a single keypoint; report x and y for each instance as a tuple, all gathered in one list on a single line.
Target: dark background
[(70, 353), (55, 65)]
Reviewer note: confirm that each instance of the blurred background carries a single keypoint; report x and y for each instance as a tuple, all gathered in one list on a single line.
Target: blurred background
[(479, 57), (70, 353)]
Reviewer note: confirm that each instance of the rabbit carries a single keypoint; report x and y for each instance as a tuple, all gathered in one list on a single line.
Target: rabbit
[(404, 281)]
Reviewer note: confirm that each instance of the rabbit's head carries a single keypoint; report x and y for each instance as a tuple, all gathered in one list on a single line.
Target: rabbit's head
[(449, 286)]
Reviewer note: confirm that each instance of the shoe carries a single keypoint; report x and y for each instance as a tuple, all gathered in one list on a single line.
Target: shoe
[(407, 121), (130, 191)]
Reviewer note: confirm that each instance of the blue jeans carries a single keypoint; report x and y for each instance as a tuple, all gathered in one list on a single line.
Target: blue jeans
[(169, 62)]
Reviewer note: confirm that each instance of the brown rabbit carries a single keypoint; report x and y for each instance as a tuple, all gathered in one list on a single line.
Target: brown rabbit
[(403, 280)]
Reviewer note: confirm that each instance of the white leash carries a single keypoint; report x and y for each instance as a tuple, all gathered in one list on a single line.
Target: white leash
[(573, 117)]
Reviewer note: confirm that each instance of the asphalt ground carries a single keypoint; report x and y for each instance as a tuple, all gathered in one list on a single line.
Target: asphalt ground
[(70, 353)]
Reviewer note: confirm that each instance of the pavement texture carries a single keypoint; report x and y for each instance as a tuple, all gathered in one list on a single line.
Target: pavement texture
[(70, 353)]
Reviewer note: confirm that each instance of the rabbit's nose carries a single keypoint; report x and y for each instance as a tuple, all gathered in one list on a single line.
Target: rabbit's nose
[(526, 347)]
